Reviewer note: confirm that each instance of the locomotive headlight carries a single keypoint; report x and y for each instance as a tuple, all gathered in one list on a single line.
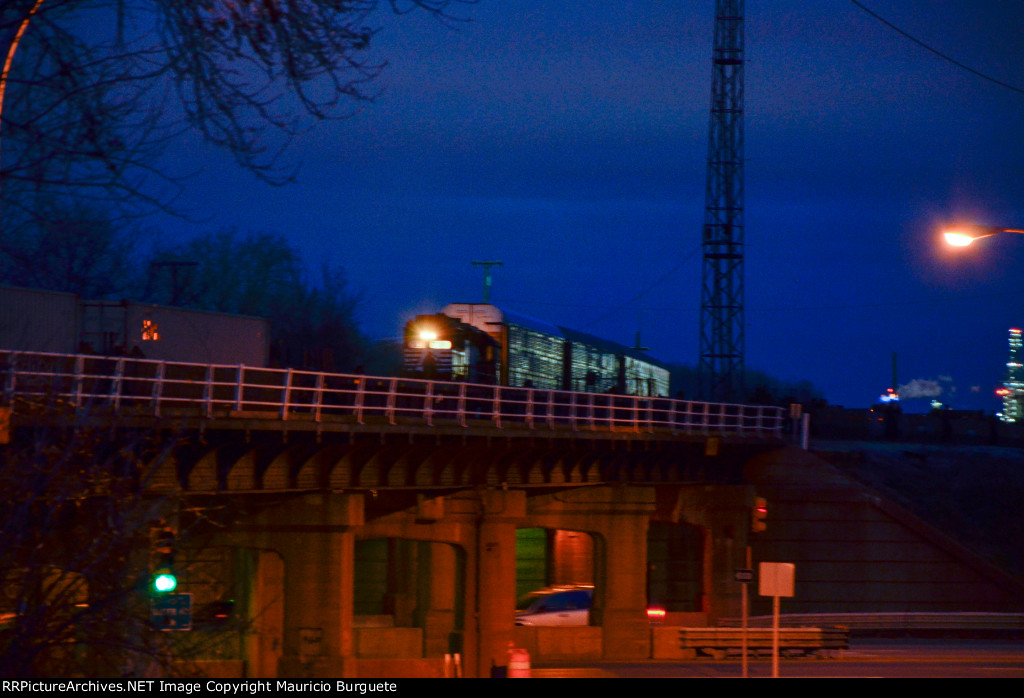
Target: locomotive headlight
[(424, 339), (428, 338)]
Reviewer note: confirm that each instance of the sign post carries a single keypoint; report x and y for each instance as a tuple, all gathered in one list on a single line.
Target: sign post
[(744, 577), (776, 579)]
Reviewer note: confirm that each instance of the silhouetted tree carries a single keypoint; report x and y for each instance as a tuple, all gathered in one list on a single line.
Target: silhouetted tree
[(76, 516), (73, 247), (313, 323), (228, 272), (99, 88), (97, 92), (766, 390), (316, 326)]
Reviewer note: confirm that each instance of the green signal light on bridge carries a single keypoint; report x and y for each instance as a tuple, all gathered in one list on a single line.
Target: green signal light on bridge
[(164, 582)]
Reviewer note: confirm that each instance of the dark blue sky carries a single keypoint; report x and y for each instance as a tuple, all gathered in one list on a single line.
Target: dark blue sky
[(570, 144)]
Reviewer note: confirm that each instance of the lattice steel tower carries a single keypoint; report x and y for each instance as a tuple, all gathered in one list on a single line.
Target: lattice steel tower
[(721, 326)]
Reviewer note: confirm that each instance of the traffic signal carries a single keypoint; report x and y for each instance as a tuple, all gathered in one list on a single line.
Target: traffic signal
[(759, 515), (162, 579)]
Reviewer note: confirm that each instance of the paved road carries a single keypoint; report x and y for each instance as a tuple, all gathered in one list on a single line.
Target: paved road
[(865, 659)]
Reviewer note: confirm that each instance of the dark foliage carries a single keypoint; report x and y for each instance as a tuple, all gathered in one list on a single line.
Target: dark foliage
[(74, 530), (313, 323)]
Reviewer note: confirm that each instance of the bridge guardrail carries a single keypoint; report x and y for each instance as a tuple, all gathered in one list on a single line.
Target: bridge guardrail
[(894, 621), (719, 641), (158, 388)]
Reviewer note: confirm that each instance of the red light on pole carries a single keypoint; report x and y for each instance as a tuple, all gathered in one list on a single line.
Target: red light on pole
[(759, 515)]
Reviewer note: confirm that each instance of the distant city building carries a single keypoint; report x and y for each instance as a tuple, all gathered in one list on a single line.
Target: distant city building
[(890, 395), (1012, 391)]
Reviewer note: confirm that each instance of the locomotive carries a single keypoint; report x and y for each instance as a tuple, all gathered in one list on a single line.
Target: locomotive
[(481, 343)]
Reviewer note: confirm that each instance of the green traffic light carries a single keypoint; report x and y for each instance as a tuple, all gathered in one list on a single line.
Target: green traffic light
[(164, 582)]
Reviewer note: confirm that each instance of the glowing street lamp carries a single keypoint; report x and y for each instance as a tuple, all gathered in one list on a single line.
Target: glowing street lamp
[(964, 235)]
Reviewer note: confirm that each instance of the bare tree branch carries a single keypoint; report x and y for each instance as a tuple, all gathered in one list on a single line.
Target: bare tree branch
[(100, 89)]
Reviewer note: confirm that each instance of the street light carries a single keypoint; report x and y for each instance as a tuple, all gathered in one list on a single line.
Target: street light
[(964, 235)]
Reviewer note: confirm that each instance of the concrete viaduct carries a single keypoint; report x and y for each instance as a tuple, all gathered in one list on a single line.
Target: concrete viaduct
[(370, 526)]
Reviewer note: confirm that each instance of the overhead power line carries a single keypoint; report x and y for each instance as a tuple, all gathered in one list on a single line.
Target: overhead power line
[(938, 53), (642, 292)]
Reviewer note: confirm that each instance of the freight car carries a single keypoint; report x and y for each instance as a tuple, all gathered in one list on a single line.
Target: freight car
[(480, 343), (63, 323)]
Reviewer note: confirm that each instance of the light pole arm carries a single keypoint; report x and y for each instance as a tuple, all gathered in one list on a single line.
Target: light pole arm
[(964, 235), (10, 58)]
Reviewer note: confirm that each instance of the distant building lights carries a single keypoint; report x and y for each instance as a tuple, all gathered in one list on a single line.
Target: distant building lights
[(1012, 390), (890, 396)]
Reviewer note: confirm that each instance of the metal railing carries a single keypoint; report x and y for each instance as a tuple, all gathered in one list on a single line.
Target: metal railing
[(80, 382), (894, 621)]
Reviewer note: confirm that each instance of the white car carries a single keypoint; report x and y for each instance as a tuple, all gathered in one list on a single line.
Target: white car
[(569, 605)]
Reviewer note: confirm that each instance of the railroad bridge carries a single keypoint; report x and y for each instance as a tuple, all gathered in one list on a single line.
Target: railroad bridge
[(376, 524)]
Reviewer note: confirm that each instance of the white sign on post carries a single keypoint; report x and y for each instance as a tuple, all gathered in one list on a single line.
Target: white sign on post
[(776, 578)]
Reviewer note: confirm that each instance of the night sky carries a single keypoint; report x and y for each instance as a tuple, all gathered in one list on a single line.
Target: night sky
[(571, 145)]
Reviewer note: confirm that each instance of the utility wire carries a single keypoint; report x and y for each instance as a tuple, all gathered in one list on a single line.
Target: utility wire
[(941, 55), (888, 303), (642, 292)]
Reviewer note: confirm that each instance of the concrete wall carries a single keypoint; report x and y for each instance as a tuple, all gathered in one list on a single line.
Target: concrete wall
[(446, 566), (719, 517), (856, 553), (559, 644), (617, 519), (450, 580), (393, 643), (446, 582)]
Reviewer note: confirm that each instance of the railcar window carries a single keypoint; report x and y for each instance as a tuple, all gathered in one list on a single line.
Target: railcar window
[(643, 378), (535, 357), (460, 364), (590, 361)]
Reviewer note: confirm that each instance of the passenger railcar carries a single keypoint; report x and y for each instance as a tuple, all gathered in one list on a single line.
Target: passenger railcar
[(480, 343)]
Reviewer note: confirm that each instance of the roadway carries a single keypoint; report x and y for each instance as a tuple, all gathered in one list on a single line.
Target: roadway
[(866, 658)]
